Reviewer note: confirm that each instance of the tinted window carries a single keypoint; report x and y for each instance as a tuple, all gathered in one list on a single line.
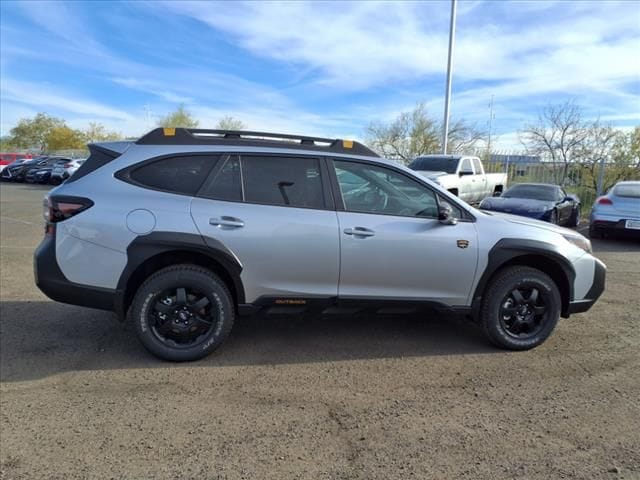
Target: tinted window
[(373, 189), (534, 192), (435, 164), (226, 185), (295, 182), (183, 174), (627, 190)]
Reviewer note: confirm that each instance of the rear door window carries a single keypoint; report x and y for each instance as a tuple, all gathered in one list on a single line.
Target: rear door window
[(227, 183), (286, 181)]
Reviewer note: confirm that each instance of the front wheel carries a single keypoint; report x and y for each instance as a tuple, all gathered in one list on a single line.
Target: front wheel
[(182, 313), (574, 220), (521, 308)]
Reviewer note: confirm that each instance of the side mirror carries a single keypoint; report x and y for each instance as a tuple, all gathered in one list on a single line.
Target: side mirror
[(497, 194), (568, 199), (445, 215), (465, 172)]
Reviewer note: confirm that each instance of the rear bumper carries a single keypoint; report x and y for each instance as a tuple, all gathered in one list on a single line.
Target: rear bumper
[(52, 282), (602, 225), (597, 287)]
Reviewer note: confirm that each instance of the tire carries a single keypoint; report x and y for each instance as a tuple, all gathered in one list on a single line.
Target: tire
[(182, 313), (500, 314), (554, 217), (574, 220), (595, 233)]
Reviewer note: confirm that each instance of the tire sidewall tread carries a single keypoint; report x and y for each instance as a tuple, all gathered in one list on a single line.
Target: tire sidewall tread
[(504, 281), (170, 276)]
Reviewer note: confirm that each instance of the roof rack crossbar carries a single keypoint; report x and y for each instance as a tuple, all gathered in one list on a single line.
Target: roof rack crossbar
[(201, 136)]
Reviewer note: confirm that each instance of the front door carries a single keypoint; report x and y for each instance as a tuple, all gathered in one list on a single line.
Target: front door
[(392, 244)]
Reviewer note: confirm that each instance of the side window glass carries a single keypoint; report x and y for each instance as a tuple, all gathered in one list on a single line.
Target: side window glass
[(183, 174), (227, 183), (477, 166), (373, 189), (457, 211), (465, 165), (287, 181)]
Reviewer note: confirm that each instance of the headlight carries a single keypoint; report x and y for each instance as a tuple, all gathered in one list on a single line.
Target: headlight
[(580, 242)]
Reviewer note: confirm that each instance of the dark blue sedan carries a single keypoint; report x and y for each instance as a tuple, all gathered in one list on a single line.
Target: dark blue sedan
[(542, 201)]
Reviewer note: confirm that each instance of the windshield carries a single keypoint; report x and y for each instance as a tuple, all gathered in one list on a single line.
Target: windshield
[(435, 164), (533, 192), (627, 190)]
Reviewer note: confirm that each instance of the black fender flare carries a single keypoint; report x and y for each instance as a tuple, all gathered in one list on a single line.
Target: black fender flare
[(509, 249), (144, 247)]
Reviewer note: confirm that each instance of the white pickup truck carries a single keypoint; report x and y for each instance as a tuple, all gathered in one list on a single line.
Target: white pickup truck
[(462, 175)]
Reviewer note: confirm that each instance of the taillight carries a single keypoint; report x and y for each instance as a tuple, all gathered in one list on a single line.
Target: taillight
[(604, 201), (58, 208)]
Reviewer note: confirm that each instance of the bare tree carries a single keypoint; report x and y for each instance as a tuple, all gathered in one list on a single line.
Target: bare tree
[(415, 133), (559, 133)]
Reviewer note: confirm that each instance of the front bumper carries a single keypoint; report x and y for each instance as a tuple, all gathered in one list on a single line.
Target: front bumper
[(52, 282), (597, 287)]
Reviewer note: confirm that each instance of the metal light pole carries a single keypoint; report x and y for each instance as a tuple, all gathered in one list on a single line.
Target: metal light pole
[(447, 100)]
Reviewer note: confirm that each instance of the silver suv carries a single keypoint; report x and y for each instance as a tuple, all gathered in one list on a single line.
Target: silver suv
[(183, 230)]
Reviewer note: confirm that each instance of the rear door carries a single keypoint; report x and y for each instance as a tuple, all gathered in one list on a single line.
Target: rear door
[(274, 213)]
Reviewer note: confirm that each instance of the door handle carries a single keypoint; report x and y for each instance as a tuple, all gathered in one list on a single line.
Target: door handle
[(359, 232), (226, 221)]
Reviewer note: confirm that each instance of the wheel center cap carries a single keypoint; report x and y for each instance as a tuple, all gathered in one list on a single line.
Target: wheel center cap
[(183, 315)]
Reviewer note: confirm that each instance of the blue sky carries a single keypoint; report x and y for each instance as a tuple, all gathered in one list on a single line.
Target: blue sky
[(323, 68)]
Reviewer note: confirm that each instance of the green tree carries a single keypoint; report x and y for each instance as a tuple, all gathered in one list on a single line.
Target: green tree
[(180, 118), (415, 133), (230, 123), (96, 132), (65, 138), (6, 144), (34, 132)]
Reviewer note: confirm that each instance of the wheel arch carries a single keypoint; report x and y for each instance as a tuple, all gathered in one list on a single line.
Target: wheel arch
[(532, 253), (150, 253)]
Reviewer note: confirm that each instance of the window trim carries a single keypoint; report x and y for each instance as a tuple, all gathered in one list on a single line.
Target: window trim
[(125, 173), (340, 206)]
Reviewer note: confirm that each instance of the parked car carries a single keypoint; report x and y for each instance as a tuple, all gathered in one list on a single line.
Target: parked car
[(617, 211), (42, 173), (9, 158), (184, 229), (15, 172), (461, 175), (42, 169), (62, 171), (542, 201)]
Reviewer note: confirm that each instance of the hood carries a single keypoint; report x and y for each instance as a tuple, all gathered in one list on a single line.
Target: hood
[(515, 204), (530, 222)]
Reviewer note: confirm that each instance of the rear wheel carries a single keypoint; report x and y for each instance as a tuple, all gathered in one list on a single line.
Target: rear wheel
[(182, 313), (521, 308)]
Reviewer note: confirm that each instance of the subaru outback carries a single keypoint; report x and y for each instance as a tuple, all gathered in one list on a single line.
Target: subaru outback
[(184, 230)]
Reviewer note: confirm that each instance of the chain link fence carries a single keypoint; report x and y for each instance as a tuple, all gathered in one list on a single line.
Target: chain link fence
[(587, 180)]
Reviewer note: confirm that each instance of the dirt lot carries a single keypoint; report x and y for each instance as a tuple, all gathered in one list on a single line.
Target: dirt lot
[(313, 398)]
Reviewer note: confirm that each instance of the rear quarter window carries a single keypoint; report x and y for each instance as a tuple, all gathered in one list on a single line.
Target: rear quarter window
[(183, 174)]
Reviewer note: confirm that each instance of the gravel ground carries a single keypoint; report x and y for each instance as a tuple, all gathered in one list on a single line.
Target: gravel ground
[(313, 398)]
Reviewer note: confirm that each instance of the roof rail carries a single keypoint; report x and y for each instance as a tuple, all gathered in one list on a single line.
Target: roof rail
[(198, 136)]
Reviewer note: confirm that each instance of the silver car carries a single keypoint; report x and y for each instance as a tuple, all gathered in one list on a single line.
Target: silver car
[(183, 230), (618, 211), (63, 171)]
